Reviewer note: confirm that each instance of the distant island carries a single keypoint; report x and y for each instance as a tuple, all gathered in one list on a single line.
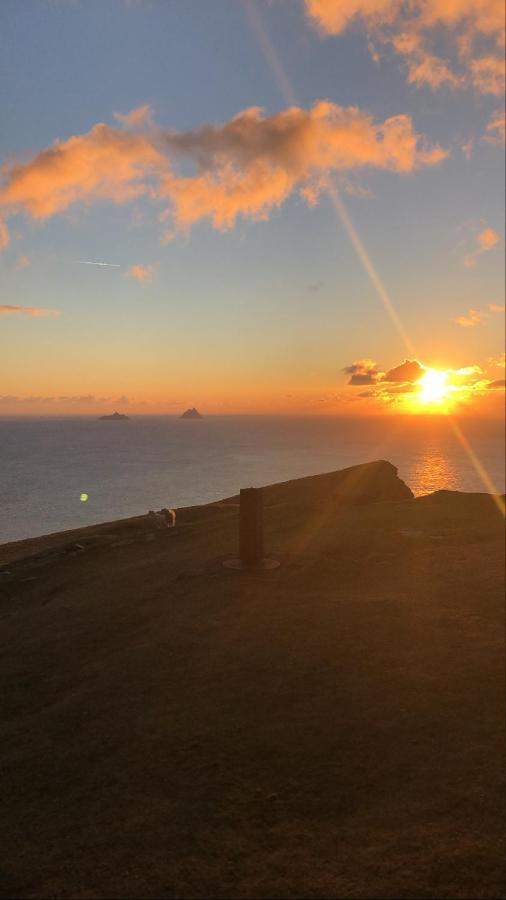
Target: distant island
[(115, 417), (191, 414)]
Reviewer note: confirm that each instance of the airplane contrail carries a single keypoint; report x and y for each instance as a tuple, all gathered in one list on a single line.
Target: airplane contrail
[(89, 262)]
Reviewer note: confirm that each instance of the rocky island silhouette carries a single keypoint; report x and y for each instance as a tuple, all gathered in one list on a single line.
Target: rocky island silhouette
[(115, 417), (191, 414)]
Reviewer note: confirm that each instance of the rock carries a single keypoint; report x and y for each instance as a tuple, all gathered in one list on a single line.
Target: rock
[(191, 414), (114, 417), (367, 483)]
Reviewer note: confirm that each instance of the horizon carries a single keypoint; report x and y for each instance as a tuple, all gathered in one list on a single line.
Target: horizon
[(312, 221)]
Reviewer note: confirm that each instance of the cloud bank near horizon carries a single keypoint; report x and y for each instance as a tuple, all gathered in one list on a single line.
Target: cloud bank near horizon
[(34, 312)]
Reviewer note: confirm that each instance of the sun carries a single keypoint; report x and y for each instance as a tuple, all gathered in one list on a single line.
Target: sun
[(434, 388)]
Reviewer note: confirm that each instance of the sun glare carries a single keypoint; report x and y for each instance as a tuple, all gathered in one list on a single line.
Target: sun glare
[(434, 387), (434, 391)]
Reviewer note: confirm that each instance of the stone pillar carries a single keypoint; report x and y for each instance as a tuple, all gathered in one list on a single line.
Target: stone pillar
[(251, 529)]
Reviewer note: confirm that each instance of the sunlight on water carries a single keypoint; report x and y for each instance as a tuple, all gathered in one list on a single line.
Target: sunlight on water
[(431, 470), (162, 461)]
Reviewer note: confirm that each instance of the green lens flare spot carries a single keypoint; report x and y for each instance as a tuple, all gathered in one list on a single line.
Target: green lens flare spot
[(83, 498)]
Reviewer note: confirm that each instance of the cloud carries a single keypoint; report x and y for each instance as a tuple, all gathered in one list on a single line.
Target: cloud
[(487, 239), (467, 148), (103, 164), (22, 262), (499, 361), (68, 399), (363, 371), (144, 274), (5, 237), (495, 132), (33, 311), (247, 166), (472, 30), (408, 371), (499, 383), (137, 118), (252, 163), (364, 378), (487, 74), (360, 365), (409, 384), (476, 317), (473, 317)]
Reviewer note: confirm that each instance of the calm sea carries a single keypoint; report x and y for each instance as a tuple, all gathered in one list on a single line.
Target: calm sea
[(126, 468)]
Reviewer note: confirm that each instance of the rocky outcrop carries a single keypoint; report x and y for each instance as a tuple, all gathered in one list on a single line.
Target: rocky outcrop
[(191, 414), (368, 483), (115, 417)]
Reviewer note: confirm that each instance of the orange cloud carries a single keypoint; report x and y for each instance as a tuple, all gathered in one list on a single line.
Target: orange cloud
[(363, 371), (415, 387), (22, 262), (409, 26), (103, 164), (425, 68), (252, 163), (472, 318), (33, 311), (488, 238), (246, 166), (407, 372), (136, 118), (144, 274), (4, 235), (487, 74), (486, 241), (496, 128)]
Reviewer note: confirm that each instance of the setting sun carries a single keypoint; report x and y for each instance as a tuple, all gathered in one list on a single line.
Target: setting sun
[(434, 387)]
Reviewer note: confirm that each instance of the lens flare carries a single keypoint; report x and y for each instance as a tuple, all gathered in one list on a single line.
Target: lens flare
[(83, 498)]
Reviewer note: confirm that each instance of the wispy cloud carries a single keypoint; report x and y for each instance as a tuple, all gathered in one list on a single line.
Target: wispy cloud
[(136, 118), (5, 237), (22, 262), (475, 317), (496, 128), (486, 240), (472, 318), (33, 311)]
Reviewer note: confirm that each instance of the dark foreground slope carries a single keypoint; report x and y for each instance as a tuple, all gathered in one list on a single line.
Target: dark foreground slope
[(332, 728)]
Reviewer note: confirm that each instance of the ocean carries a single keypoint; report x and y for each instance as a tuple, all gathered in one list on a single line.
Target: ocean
[(60, 473)]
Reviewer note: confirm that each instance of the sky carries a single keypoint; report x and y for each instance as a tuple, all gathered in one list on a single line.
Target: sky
[(251, 206)]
